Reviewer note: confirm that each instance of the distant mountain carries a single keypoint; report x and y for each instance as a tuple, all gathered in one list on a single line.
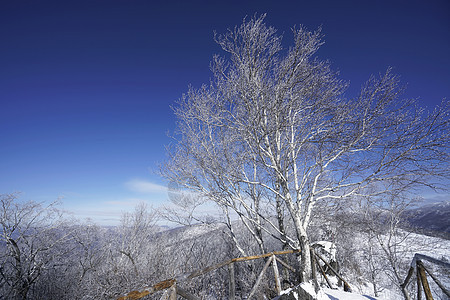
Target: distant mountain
[(433, 218)]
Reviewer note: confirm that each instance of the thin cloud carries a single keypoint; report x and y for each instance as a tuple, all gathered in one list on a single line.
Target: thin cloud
[(127, 202), (146, 187), (96, 212)]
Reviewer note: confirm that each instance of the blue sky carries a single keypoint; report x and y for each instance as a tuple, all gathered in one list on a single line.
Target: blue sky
[(86, 86)]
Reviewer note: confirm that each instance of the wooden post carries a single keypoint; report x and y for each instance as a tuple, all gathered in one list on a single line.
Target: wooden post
[(173, 292), (313, 264), (423, 279), (313, 270), (276, 274), (232, 283), (258, 281), (419, 285), (440, 285)]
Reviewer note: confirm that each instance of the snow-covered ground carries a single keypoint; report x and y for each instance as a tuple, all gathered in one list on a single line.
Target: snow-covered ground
[(339, 295), (408, 245), (323, 294)]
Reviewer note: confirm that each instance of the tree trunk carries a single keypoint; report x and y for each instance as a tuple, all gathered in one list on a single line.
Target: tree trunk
[(304, 259)]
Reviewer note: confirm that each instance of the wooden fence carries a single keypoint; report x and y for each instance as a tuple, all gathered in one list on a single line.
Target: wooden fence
[(421, 277), (172, 289)]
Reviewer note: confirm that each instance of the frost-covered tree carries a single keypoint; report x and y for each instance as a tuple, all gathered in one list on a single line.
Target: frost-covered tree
[(273, 134), (128, 254), (33, 237), (391, 244)]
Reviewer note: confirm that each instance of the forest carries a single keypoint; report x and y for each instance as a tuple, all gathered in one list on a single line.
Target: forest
[(46, 254)]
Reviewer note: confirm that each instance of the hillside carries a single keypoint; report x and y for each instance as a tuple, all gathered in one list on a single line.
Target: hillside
[(432, 218)]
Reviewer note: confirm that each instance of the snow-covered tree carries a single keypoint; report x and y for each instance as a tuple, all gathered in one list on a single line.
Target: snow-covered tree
[(32, 241), (273, 134)]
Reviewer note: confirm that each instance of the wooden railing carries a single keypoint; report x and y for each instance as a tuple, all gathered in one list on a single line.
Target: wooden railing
[(172, 289), (421, 277)]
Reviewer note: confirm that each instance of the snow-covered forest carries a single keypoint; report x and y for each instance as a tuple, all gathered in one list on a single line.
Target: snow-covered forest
[(271, 155), (46, 255)]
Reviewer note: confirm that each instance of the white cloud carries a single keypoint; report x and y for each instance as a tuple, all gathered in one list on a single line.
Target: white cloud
[(146, 187)]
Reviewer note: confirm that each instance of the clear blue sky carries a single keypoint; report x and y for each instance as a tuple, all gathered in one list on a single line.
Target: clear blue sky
[(85, 86)]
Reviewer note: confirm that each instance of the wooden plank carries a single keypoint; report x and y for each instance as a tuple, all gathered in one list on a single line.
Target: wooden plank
[(239, 259), (276, 274), (258, 281), (134, 295), (232, 283), (162, 285)]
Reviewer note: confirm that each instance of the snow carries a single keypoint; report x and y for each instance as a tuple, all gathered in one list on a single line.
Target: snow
[(327, 247), (309, 288), (328, 294), (341, 295)]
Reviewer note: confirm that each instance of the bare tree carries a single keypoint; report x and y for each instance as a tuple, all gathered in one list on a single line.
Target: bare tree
[(135, 233), (128, 253), (391, 244), (274, 127), (31, 237)]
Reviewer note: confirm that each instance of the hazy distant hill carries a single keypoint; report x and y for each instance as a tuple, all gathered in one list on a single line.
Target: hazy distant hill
[(433, 217)]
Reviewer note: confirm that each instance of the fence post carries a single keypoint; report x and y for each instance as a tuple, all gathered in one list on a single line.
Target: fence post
[(423, 278), (258, 280), (276, 274), (173, 292), (440, 285), (313, 269), (232, 283), (313, 264), (419, 285)]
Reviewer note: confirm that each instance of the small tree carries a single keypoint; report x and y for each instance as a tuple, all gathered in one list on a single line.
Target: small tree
[(272, 135)]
